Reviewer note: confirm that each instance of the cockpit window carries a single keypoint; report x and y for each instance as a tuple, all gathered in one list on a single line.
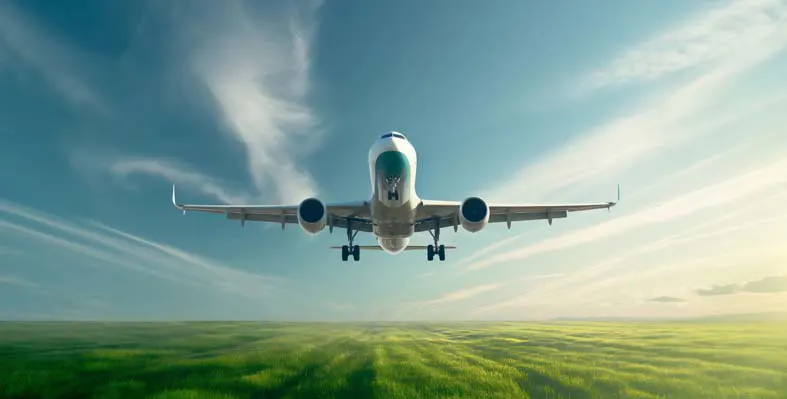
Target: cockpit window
[(397, 135)]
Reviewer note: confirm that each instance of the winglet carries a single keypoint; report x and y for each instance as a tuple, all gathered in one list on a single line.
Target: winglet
[(611, 204), (175, 202)]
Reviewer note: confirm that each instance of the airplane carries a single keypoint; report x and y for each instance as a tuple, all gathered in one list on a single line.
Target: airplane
[(394, 212)]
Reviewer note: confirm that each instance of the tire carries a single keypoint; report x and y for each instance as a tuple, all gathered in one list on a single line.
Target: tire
[(356, 253), (345, 253), (430, 252), (441, 252)]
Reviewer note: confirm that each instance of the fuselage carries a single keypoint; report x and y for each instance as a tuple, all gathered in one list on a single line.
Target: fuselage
[(392, 169)]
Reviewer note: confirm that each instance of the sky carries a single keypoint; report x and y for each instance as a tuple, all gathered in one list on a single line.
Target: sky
[(105, 105)]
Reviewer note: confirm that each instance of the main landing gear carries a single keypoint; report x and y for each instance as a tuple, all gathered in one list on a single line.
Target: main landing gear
[(432, 250), (351, 249)]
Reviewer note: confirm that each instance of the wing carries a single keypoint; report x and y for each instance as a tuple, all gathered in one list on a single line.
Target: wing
[(339, 214), (446, 213)]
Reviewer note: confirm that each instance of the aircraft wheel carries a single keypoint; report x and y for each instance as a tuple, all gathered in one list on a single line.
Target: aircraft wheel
[(345, 253), (356, 253), (430, 252), (441, 252)]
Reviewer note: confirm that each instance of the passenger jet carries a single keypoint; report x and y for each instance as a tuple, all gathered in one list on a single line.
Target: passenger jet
[(394, 212)]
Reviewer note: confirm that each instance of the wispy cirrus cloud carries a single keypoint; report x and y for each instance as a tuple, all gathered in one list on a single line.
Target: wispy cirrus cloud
[(110, 247), (26, 41), (733, 189), (720, 35), (675, 120), (675, 139), (13, 280), (460, 295), (678, 117), (611, 275), (259, 79), (258, 73), (717, 246), (178, 173)]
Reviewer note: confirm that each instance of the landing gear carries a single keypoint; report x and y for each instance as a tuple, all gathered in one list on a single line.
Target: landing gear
[(351, 249), (431, 252), (437, 248), (392, 182)]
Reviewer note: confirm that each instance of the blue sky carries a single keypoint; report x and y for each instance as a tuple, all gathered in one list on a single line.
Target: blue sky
[(104, 106)]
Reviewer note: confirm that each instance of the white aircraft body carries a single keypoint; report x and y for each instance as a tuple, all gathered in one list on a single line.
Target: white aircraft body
[(394, 212)]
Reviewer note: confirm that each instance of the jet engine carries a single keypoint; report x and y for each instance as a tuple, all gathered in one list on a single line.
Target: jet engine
[(473, 214), (312, 215)]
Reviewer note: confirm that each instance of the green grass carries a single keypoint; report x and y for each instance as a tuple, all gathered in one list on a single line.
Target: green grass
[(577, 360)]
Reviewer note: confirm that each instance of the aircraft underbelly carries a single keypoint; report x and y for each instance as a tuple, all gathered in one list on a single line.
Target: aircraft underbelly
[(392, 222), (393, 245)]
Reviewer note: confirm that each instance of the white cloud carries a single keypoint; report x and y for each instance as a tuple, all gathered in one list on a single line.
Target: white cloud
[(229, 278), (177, 173), (711, 249), (720, 35), (13, 280), (460, 295), (259, 78), (27, 41), (113, 247), (736, 188), (687, 113), (257, 70), (677, 119), (699, 269), (492, 248)]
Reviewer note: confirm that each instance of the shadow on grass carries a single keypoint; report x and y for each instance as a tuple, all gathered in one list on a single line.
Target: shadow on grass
[(360, 382), (539, 385), (139, 377)]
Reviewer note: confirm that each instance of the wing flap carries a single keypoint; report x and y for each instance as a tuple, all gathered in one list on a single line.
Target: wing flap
[(339, 214), (518, 217), (543, 208), (445, 213), (261, 217)]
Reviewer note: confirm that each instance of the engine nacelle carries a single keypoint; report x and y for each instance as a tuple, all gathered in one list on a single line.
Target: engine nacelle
[(312, 215), (473, 214)]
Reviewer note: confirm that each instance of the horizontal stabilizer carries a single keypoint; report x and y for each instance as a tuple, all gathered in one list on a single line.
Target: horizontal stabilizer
[(409, 247)]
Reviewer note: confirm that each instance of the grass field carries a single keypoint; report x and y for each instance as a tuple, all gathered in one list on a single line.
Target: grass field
[(479, 360)]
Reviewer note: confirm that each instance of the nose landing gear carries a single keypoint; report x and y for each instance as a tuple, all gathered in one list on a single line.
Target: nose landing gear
[(392, 182)]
